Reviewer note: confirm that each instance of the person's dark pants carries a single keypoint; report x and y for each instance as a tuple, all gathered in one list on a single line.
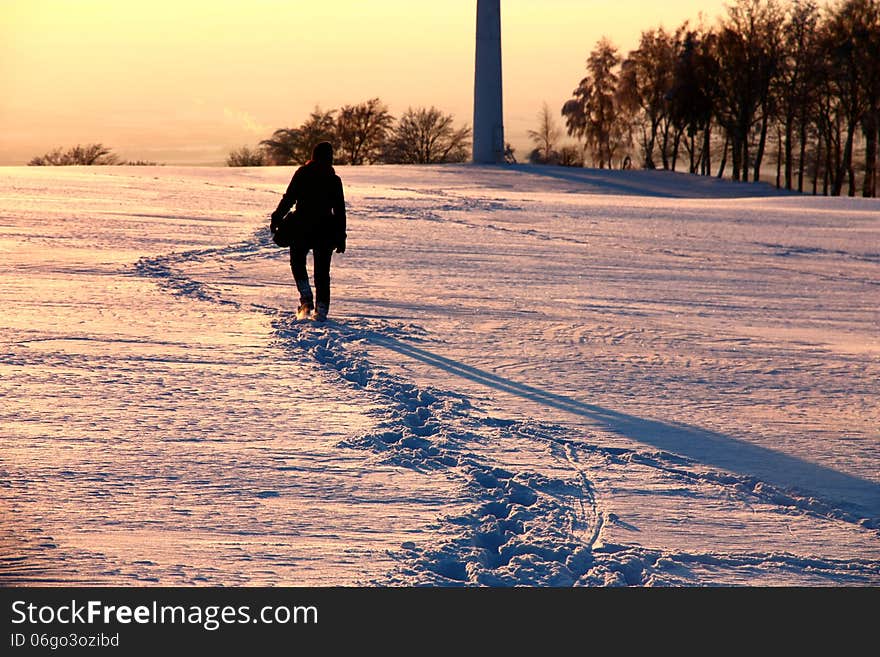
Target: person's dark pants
[(321, 256)]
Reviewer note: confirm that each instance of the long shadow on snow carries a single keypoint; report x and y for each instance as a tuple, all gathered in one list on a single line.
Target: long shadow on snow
[(657, 183), (845, 491)]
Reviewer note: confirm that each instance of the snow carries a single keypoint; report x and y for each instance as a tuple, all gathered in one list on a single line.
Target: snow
[(531, 376)]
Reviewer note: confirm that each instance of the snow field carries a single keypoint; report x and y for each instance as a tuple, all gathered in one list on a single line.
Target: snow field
[(534, 377)]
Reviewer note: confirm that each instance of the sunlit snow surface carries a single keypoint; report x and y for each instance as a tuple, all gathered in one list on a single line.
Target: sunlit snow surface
[(531, 376)]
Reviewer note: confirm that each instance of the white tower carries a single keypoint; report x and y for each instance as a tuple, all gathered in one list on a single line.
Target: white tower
[(488, 123)]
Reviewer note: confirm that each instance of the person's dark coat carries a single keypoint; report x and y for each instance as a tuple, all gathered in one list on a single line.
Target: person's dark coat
[(319, 217)]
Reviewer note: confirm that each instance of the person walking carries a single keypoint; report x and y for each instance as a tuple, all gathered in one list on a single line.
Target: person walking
[(318, 225)]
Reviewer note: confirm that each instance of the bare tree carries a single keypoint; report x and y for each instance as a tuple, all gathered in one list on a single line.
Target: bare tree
[(769, 65), (871, 80), (284, 147), (570, 156), (294, 146), (320, 126), (83, 155), (748, 54), (796, 88), (852, 35), (594, 114), (55, 157), (361, 131), (246, 157), (545, 137), (845, 71), (427, 136), (693, 96), (645, 79)]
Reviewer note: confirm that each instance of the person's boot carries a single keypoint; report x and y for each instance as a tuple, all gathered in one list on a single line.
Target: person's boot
[(321, 311), (306, 304), (305, 309)]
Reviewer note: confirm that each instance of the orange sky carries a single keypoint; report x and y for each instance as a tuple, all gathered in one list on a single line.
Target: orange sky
[(186, 81)]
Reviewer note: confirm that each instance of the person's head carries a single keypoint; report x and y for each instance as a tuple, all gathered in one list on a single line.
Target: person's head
[(323, 152)]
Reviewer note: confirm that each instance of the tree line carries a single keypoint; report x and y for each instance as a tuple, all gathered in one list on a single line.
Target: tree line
[(773, 80), (364, 133), (83, 155)]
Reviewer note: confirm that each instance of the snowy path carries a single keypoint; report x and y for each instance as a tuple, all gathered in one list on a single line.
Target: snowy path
[(148, 438), (528, 380)]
